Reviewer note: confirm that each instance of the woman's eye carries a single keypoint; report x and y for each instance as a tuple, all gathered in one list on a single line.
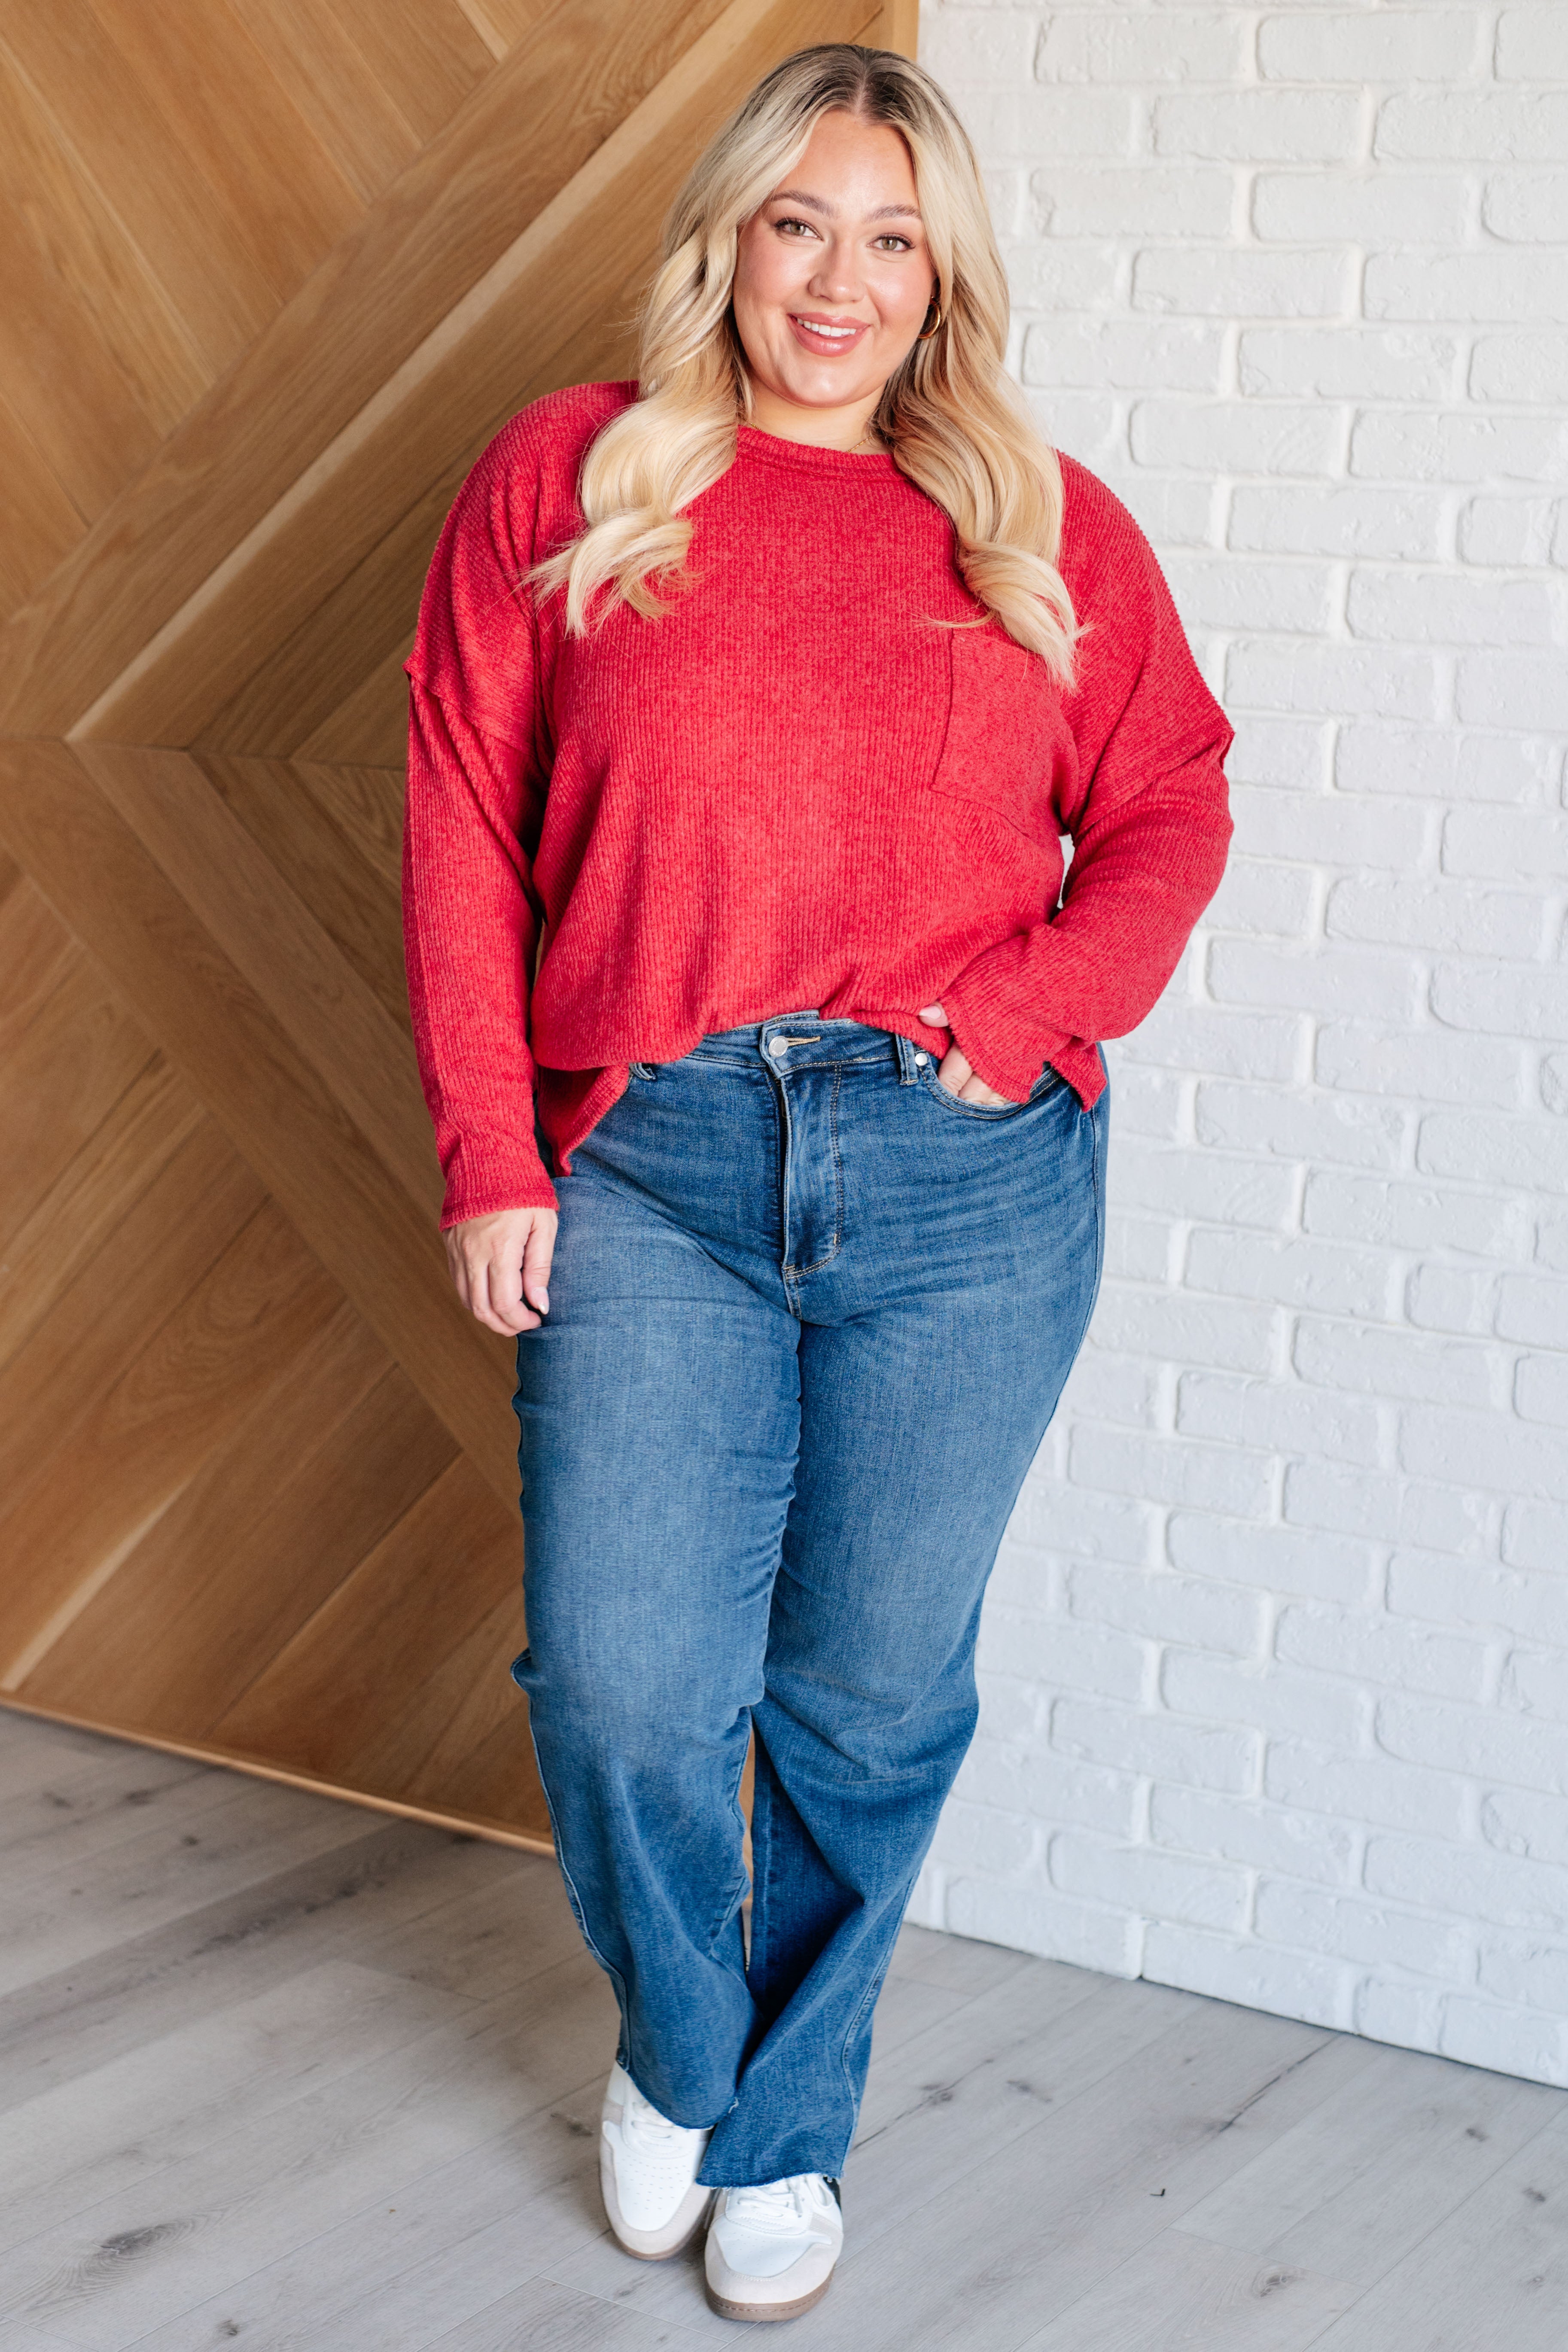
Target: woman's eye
[(791, 226), (891, 243)]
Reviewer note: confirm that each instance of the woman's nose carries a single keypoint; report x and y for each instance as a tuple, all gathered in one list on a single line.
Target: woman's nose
[(835, 279)]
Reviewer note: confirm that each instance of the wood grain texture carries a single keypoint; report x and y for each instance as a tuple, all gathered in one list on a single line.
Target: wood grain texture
[(250, 914), (156, 2100), (383, 1881), (60, 1078), (352, 109), (94, 365), (464, 1826), (1178, 2293), (365, 803), (292, 1497), (75, 405), (36, 954), (83, 1211), (347, 891), (167, 179), (341, 1446), (377, 82), (95, 1492), (459, 1728), (123, 145), (279, 268), (554, 308), (468, 1737), (94, 276), (1494, 2270), (357, 628), (1428, 2135), (427, 53), (240, 130), (370, 727), (165, 1241), (38, 521), (537, 118), (897, 27), (500, 24), (244, 1067), (157, 1875)]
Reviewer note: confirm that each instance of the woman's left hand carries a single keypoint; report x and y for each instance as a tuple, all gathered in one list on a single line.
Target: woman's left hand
[(954, 1072)]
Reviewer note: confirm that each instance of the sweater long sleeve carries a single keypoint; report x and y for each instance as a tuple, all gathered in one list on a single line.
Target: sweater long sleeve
[(1149, 821), (471, 931)]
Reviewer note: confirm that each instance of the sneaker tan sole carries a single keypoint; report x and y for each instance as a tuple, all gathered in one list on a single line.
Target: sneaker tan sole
[(763, 2311), (625, 2236), (665, 2254)]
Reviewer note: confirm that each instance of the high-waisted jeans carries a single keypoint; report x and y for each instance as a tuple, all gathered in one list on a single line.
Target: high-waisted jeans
[(810, 1314)]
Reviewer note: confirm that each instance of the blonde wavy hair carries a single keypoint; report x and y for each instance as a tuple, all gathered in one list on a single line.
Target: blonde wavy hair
[(949, 414)]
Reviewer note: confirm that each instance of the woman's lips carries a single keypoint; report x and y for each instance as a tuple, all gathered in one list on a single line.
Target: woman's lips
[(828, 338)]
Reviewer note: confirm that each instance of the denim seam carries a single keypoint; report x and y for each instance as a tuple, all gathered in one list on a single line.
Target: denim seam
[(762, 1879), (817, 1264), (577, 1902), (868, 1999), (783, 1136), (748, 1061), (1099, 1223), (836, 1061), (790, 1274), (1096, 1178)]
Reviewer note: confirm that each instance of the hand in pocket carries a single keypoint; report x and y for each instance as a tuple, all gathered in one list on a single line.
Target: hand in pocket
[(955, 1072)]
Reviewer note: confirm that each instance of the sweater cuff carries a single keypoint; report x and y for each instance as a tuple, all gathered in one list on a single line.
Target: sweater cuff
[(483, 1183), (996, 1025)]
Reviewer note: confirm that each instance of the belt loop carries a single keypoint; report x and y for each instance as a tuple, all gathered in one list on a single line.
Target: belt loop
[(909, 1074)]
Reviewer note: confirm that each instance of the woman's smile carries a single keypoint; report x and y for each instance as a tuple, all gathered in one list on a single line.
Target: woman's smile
[(828, 338)]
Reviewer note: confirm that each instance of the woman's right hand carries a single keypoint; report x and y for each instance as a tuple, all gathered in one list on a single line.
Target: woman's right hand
[(956, 1073), (501, 1265)]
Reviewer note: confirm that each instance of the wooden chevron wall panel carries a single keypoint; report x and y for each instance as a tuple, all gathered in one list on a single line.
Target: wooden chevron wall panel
[(275, 271)]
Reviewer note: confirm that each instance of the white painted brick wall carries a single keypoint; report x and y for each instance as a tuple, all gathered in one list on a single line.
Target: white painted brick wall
[(1276, 1662)]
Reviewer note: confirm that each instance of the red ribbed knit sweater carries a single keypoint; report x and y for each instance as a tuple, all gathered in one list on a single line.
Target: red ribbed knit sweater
[(802, 787)]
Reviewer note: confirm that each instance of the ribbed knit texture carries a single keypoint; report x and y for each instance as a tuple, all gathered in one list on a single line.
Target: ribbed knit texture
[(821, 780)]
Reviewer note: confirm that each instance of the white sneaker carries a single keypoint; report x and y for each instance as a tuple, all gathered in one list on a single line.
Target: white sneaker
[(647, 2171), (771, 2251)]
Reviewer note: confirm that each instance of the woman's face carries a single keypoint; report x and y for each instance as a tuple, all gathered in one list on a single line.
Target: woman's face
[(833, 278)]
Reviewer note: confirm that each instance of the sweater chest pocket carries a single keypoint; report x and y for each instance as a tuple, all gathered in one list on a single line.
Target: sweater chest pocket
[(1006, 737)]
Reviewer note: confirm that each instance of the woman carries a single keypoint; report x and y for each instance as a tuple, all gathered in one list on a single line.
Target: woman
[(749, 704)]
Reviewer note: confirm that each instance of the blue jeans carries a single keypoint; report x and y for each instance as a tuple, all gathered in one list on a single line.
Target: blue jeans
[(810, 1316)]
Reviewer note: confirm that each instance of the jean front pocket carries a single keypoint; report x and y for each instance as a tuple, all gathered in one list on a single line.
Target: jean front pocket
[(994, 1114)]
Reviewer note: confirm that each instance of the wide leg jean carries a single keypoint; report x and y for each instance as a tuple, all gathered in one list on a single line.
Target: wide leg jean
[(810, 1316)]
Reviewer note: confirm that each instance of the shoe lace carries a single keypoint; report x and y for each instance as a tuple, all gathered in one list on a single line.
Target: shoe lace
[(643, 2126), (773, 2204)]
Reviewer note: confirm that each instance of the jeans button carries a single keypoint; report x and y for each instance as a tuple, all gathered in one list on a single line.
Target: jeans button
[(778, 1047), (921, 1061)]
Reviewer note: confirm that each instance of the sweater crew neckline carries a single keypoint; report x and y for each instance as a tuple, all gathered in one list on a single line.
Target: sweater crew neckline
[(805, 456)]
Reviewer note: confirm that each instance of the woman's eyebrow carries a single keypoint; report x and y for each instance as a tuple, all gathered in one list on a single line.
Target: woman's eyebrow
[(830, 212)]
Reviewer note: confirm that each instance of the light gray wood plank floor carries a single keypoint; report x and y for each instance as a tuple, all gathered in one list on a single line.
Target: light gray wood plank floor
[(277, 2071)]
